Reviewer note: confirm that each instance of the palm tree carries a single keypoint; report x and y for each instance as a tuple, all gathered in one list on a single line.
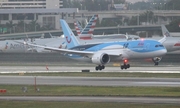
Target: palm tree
[(10, 25), (33, 26), (21, 26), (2, 26)]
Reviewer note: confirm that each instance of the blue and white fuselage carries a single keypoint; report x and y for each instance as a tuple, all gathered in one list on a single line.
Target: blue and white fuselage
[(127, 50)]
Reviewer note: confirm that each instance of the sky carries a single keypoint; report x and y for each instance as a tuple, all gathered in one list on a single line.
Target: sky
[(133, 1)]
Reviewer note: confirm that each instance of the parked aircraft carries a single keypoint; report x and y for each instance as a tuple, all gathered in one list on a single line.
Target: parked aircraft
[(11, 46), (104, 53), (171, 44)]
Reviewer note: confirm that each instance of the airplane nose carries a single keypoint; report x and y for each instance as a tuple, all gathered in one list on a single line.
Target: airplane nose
[(163, 52)]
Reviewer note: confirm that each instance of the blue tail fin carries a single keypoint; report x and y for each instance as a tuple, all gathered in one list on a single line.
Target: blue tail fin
[(70, 39)]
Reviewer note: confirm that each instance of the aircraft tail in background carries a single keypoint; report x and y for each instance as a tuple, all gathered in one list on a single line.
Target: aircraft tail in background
[(165, 31), (78, 27), (87, 32), (69, 36)]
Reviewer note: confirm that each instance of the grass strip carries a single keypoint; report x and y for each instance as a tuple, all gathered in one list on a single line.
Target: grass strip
[(99, 74), (33, 104), (47, 90)]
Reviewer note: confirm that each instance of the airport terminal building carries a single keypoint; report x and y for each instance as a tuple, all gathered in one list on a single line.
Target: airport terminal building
[(46, 12)]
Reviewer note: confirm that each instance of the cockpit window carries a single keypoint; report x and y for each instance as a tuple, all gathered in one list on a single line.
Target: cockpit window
[(159, 46)]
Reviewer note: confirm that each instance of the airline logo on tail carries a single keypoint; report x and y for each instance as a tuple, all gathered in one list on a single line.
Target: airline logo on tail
[(165, 31), (167, 34), (69, 41), (87, 32)]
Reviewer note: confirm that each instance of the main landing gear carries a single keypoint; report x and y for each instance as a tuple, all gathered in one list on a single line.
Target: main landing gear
[(125, 65), (156, 63), (100, 67)]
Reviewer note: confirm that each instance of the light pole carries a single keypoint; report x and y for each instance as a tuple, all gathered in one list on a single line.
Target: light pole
[(24, 26), (81, 6), (14, 28), (138, 19), (164, 6), (99, 7), (147, 18), (118, 28), (35, 27)]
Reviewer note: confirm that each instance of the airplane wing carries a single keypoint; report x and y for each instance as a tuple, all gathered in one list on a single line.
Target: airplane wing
[(67, 51)]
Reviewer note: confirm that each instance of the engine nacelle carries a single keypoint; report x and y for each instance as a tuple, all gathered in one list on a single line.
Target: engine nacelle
[(100, 58), (156, 59)]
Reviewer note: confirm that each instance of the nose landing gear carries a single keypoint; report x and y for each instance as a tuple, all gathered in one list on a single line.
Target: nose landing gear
[(156, 60)]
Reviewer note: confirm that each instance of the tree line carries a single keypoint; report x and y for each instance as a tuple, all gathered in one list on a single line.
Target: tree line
[(21, 26)]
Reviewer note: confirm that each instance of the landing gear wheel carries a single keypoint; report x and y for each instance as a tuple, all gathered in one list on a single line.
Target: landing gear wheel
[(96, 68), (125, 66), (122, 67), (103, 67), (128, 65), (156, 64), (100, 67)]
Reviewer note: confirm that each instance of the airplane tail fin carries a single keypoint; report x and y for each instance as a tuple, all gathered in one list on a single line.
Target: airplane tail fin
[(78, 27), (70, 39), (165, 31), (87, 32)]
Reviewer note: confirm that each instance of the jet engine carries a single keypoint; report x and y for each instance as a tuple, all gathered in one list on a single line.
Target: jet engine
[(100, 58), (156, 60)]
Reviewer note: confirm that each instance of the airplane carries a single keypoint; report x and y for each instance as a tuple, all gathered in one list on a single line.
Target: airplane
[(172, 44), (103, 53), (11, 46)]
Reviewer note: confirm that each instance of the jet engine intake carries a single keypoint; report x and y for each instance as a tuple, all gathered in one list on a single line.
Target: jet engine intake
[(100, 58)]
